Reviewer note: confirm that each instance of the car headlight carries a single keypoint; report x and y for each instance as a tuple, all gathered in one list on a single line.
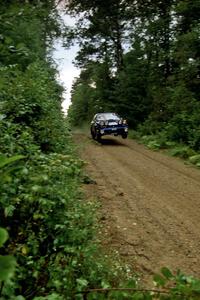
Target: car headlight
[(101, 123), (124, 122), (120, 122)]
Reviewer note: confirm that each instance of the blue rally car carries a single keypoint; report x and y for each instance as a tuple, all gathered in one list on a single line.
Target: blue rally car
[(107, 124)]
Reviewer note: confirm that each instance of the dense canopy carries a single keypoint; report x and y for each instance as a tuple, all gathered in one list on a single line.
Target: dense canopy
[(142, 60)]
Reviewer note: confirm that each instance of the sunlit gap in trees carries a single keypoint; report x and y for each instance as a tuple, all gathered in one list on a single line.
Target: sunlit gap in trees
[(64, 57)]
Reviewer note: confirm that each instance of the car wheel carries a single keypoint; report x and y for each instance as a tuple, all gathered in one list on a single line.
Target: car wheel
[(92, 134), (98, 137), (124, 135)]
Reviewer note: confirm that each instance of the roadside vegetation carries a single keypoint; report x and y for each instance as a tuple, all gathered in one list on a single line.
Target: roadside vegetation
[(159, 141), (48, 230)]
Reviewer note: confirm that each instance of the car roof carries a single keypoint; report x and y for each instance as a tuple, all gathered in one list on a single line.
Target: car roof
[(107, 115)]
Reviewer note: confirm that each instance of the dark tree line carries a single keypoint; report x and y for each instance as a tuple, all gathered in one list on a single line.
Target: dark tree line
[(142, 59)]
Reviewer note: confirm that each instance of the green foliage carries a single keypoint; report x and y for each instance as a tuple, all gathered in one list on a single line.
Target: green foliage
[(134, 134), (91, 93), (34, 101), (7, 267), (195, 159), (130, 92), (35, 196), (157, 86), (169, 286), (183, 287), (100, 31), (156, 141), (49, 248), (22, 41), (182, 151), (4, 161), (3, 236), (7, 262), (53, 233), (161, 141)]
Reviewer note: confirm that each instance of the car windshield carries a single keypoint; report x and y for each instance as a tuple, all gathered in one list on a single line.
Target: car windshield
[(108, 116)]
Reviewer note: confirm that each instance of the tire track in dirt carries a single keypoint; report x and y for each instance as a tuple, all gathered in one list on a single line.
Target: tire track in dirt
[(150, 204)]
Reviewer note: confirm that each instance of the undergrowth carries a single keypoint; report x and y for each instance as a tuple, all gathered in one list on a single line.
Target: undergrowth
[(49, 249), (160, 141)]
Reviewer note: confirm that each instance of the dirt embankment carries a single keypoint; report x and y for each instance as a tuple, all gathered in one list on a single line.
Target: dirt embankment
[(150, 203)]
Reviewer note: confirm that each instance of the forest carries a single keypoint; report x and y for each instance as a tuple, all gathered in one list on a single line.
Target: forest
[(138, 58)]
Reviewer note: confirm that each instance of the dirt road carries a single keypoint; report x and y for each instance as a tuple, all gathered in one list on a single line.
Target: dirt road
[(150, 204)]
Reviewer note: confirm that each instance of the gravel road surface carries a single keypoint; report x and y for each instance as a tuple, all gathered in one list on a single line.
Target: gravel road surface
[(150, 204)]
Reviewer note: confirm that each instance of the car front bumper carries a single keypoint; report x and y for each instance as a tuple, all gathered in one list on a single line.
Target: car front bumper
[(114, 130)]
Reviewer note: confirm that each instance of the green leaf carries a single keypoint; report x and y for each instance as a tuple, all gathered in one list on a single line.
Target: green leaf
[(159, 280), (194, 159), (196, 286), (9, 210), (8, 160), (167, 273), (131, 284), (105, 284), (82, 282), (138, 296), (3, 236), (7, 267)]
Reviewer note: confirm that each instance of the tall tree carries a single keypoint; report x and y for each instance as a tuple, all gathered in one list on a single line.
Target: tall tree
[(101, 28), (91, 92), (159, 80)]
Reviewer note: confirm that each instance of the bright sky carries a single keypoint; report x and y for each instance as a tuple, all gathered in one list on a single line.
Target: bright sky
[(64, 57)]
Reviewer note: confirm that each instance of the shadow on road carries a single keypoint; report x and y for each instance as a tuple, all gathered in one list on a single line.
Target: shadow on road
[(111, 142)]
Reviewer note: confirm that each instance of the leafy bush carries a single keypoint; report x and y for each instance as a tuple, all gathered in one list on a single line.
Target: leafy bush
[(161, 140), (195, 159), (52, 230), (133, 134), (182, 151), (156, 141), (7, 262)]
